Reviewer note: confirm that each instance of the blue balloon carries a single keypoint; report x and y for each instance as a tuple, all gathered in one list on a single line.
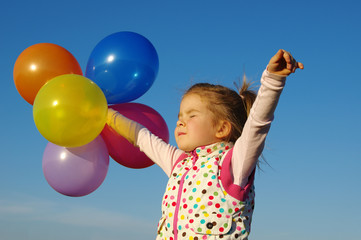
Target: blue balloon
[(124, 65)]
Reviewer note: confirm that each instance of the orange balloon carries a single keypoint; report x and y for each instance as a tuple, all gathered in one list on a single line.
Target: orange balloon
[(39, 63)]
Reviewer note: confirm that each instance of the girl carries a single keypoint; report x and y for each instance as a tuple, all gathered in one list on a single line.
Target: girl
[(210, 192)]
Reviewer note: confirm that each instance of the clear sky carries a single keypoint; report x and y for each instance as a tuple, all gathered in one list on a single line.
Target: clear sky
[(312, 189)]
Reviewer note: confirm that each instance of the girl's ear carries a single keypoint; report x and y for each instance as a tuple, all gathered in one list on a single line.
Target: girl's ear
[(224, 129)]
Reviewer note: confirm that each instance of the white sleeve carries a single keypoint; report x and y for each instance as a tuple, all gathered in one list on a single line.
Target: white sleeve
[(160, 152), (250, 144), (156, 149)]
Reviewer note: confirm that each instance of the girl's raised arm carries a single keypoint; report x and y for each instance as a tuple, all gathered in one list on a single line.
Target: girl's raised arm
[(249, 146)]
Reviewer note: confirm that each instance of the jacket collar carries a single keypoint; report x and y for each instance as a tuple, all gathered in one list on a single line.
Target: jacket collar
[(212, 149)]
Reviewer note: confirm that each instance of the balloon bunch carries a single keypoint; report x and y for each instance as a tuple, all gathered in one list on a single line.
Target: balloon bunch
[(70, 109)]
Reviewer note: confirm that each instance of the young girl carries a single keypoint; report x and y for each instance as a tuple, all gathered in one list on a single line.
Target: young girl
[(210, 192)]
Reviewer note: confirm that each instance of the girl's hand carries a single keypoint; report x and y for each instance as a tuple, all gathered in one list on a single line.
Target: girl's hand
[(282, 63)]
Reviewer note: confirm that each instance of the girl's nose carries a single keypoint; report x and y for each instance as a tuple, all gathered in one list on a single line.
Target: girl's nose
[(180, 123)]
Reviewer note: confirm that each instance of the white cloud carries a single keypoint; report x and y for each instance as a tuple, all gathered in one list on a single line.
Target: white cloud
[(32, 209), (14, 209), (94, 217)]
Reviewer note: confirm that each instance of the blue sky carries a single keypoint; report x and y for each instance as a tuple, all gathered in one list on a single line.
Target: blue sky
[(311, 190)]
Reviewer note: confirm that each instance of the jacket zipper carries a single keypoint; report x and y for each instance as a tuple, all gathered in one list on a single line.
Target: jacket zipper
[(180, 190)]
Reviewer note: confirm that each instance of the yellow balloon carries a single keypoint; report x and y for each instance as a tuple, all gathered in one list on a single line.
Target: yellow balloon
[(70, 110)]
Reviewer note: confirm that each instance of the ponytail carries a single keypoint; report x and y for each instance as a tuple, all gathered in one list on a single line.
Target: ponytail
[(247, 94)]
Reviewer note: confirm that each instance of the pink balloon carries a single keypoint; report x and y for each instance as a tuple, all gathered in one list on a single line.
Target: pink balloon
[(76, 171), (120, 149)]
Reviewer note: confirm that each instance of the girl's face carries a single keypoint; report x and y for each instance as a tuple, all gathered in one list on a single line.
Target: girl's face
[(195, 126)]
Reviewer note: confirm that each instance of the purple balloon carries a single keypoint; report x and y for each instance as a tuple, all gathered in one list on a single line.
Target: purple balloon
[(76, 171)]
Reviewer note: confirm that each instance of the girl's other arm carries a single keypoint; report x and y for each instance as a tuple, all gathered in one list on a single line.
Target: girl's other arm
[(155, 148), (123, 126)]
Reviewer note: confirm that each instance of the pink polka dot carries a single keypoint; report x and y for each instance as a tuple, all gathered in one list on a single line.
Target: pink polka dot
[(218, 185), (184, 200), (239, 228), (171, 197), (190, 211), (204, 237), (210, 203), (186, 226), (227, 216), (179, 166), (234, 203)]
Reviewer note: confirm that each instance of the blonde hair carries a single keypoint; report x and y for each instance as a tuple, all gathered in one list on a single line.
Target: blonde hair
[(227, 104)]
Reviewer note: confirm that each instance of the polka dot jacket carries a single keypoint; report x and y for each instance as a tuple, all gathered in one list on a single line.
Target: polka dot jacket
[(199, 201)]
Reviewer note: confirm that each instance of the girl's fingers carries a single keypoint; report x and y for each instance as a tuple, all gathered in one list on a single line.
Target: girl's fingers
[(277, 57), (300, 65), (290, 62), (297, 65)]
